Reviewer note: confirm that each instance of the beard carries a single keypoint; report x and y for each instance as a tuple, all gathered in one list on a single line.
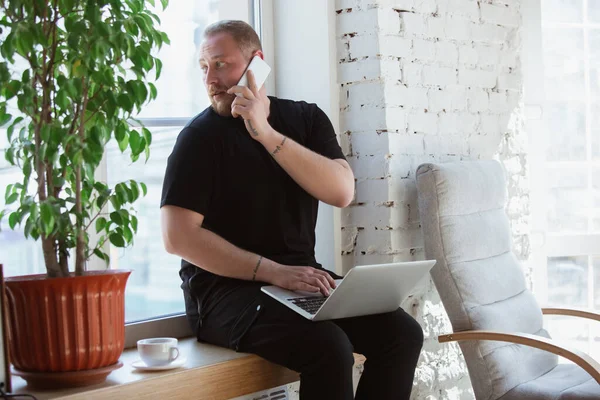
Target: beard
[(223, 106)]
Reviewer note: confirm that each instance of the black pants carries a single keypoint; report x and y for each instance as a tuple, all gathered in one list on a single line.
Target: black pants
[(249, 321)]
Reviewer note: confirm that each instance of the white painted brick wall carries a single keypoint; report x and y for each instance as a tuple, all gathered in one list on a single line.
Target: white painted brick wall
[(371, 191), (365, 94), (467, 9), (420, 121), (500, 14), (362, 45), (412, 73), (446, 53), (420, 81), (406, 96), (367, 144), (478, 78), (414, 25), (459, 123), (468, 55), (438, 76), (394, 45), (489, 33), (435, 27), (372, 214), (363, 70), (358, 119), (357, 21), (450, 98), (489, 54), (423, 50), (498, 102), (457, 28), (478, 100)]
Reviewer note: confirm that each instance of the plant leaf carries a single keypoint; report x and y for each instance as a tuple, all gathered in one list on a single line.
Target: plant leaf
[(117, 240), (135, 192), (158, 68), (100, 224), (13, 219), (153, 90), (116, 218), (147, 136), (47, 214), (127, 234), (12, 198), (101, 255), (135, 141)]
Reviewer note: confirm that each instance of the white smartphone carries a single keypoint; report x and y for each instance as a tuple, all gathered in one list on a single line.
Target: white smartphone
[(260, 69)]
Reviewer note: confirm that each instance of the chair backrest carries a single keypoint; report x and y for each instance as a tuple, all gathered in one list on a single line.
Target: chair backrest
[(478, 277)]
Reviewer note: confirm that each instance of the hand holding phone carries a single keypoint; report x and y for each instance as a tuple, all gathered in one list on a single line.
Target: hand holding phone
[(261, 71), (255, 109)]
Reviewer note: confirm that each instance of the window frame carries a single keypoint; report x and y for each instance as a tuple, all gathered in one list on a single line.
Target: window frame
[(544, 244)]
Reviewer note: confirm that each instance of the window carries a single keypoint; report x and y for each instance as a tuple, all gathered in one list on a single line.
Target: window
[(19, 256), (153, 288), (565, 161)]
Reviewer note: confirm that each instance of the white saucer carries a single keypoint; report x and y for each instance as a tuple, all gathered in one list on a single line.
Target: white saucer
[(140, 365)]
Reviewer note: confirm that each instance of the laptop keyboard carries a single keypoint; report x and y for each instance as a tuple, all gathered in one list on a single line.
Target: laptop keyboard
[(309, 304)]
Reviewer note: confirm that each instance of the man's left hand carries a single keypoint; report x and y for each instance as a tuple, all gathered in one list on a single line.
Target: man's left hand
[(252, 105)]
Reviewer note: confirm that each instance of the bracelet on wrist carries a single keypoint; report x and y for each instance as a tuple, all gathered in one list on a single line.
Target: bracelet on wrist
[(256, 268)]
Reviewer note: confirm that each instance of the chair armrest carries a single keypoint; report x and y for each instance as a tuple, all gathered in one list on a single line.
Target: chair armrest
[(586, 362), (571, 312)]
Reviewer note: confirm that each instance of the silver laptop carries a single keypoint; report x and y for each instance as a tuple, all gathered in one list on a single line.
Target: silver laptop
[(367, 289)]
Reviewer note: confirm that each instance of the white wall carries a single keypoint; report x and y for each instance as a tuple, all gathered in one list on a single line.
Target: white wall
[(417, 81), (304, 54), (534, 98), (426, 81)]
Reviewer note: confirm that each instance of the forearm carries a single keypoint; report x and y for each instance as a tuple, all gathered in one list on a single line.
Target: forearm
[(325, 179), (184, 236), (215, 254)]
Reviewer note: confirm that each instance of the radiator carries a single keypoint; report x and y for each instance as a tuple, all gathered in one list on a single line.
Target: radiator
[(278, 393)]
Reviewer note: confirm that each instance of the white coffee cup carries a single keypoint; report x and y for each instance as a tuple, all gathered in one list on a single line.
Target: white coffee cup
[(158, 351)]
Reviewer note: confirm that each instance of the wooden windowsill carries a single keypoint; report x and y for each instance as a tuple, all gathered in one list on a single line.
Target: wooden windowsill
[(209, 372)]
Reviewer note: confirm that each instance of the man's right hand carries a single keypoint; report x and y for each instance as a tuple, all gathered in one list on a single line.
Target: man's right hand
[(307, 279)]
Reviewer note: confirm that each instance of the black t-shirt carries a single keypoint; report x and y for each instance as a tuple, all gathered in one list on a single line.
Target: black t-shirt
[(216, 169)]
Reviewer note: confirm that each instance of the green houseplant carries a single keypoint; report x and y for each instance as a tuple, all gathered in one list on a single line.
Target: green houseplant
[(73, 73)]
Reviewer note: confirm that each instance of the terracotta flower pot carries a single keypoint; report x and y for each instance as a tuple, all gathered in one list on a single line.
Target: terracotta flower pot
[(61, 325)]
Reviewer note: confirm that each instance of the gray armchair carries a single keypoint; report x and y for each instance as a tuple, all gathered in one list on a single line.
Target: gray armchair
[(495, 318)]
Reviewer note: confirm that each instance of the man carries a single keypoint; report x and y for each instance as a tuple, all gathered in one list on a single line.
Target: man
[(239, 205)]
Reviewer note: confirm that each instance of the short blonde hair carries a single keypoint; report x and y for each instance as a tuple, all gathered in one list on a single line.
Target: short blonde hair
[(243, 34)]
